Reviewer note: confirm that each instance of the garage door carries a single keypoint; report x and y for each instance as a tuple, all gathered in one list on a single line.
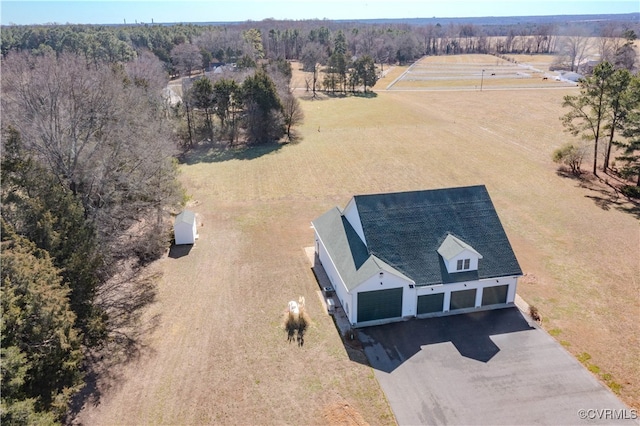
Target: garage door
[(463, 299), (380, 304), (430, 303), (494, 295)]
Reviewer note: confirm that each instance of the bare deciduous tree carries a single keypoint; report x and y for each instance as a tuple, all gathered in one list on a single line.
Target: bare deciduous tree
[(186, 57), (573, 47), (100, 132), (313, 55), (292, 114)]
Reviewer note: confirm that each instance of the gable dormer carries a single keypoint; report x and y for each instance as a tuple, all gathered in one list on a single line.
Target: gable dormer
[(458, 256)]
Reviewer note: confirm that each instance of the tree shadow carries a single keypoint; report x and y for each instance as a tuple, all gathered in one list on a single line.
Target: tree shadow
[(218, 154), (604, 191), (367, 95), (294, 138), (341, 95), (124, 299)]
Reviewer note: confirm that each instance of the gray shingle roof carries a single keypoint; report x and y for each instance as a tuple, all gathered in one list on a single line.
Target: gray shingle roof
[(404, 231), (407, 228), (186, 216), (350, 255)]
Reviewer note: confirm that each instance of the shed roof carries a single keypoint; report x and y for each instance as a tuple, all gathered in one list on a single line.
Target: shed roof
[(404, 231), (186, 216)]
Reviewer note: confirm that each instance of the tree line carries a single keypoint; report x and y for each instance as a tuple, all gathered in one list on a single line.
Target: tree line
[(88, 185), (385, 43)]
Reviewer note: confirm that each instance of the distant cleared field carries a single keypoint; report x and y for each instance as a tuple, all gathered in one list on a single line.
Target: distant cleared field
[(218, 353), (476, 72)]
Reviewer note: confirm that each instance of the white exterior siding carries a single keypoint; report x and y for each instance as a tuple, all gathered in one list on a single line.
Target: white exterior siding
[(352, 215), (387, 281), (185, 228), (479, 286), (453, 262), (377, 274), (332, 273), (349, 299)]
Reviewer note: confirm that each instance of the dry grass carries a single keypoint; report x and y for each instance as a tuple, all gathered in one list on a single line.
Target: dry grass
[(218, 353)]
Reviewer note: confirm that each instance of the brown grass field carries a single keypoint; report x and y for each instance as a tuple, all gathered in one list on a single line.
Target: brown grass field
[(476, 72), (216, 352)]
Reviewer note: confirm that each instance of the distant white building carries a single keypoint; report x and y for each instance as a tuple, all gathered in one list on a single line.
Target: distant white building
[(417, 254), (185, 228)]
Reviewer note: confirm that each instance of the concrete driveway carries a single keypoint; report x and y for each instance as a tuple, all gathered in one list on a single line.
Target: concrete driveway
[(485, 368)]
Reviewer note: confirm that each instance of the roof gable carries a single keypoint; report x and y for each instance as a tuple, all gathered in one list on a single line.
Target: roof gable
[(350, 255), (453, 246)]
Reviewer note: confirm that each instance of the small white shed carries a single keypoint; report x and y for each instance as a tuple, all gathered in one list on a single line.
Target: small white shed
[(185, 228)]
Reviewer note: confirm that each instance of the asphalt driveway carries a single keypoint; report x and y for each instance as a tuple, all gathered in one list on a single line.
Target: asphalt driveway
[(485, 368)]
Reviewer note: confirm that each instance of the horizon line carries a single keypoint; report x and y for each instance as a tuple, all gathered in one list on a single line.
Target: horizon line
[(328, 19)]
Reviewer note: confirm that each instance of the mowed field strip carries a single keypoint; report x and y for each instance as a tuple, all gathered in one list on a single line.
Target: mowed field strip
[(477, 72), (219, 354)]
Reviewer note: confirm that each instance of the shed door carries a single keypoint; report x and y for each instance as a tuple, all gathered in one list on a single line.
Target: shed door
[(379, 304), (430, 303), (494, 295), (463, 299)]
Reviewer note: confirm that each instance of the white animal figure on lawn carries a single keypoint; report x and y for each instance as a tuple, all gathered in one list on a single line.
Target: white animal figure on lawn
[(294, 308)]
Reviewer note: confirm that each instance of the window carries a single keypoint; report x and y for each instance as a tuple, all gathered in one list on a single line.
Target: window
[(463, 264)]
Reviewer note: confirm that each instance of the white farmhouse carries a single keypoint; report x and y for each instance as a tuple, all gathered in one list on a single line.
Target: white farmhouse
[(417, 254), (185, 229)]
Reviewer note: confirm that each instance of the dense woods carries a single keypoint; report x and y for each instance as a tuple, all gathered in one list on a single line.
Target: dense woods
[(88, 181), (187, 47), (90, 141)]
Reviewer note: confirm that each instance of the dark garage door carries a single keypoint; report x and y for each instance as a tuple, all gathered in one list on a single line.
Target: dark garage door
[(494, 295), (380, 304), (430, 303), (463, 299)]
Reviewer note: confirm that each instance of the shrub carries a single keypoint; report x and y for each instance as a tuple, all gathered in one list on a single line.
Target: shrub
[(534, 314), (570, 155), (584, 357), (593, 368), (152, 244), (630, 191)]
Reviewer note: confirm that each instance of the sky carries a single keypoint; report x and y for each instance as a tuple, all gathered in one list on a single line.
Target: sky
[(26, 12)]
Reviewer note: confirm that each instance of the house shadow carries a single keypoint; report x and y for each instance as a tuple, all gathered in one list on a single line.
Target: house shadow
[(178, 251), (386, 347), (349, 336), (207, 153), (389, 346)]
